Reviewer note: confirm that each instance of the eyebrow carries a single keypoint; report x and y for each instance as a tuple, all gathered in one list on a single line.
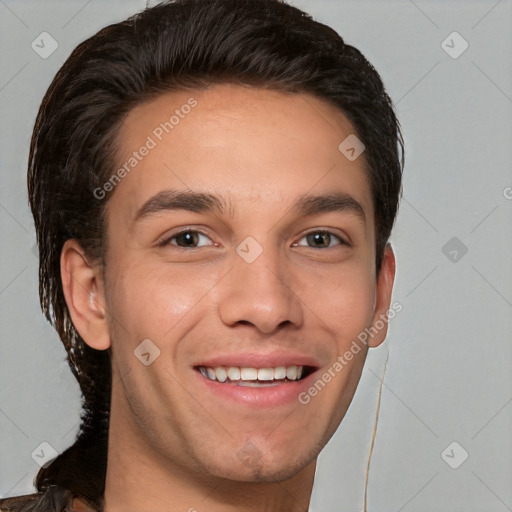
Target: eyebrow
[(201, 202), (198, 202), (309, 204)]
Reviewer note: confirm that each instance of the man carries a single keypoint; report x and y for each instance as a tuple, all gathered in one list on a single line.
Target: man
[(213, 185)]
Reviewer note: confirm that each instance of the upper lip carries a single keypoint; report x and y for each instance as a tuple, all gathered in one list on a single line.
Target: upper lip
[(260, 360)]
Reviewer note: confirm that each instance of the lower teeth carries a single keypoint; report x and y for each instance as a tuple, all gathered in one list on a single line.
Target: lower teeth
[(256, 384)]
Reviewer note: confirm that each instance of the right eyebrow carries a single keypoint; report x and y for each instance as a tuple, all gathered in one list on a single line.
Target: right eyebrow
[(171, 199)]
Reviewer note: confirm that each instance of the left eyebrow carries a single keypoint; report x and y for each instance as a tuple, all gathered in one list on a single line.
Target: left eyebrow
[(309, 205)]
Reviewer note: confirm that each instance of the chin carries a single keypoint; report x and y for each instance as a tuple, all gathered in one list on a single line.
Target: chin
[(253, 466)]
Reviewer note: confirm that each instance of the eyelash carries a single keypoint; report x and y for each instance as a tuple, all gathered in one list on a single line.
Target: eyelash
[(167, 241)]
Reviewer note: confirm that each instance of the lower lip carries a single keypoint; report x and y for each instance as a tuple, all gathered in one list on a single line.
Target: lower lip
[(264, 396)]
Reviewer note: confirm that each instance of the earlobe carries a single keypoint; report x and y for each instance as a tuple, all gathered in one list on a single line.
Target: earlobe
[(83, 289), (383, 292)]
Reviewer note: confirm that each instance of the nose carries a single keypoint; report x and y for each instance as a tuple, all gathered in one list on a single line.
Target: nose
[(260, 294)]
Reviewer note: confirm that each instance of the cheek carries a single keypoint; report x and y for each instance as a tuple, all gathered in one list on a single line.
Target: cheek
[(357, 307), (344, 303), (149, 300)]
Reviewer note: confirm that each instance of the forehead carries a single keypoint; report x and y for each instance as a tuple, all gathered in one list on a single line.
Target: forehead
[(245, 144)]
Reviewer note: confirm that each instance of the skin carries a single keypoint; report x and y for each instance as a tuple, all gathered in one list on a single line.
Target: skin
[(171, 444)]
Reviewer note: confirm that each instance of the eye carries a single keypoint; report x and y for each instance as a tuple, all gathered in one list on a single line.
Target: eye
[(321, 240), (188, 238)]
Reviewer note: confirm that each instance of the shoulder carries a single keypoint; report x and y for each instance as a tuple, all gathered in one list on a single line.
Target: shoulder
[(53, 499), (28, 502)]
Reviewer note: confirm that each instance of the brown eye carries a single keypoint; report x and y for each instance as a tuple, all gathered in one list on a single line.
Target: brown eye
[(322, 240), (189, 238)]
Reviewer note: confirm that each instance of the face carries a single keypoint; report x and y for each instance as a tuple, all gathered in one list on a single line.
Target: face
[(241, 244)]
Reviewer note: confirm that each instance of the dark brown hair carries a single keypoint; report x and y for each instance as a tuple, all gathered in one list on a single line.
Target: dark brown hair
[(175, 45)]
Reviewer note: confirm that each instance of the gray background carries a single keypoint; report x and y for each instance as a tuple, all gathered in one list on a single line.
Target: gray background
[(443, 375)]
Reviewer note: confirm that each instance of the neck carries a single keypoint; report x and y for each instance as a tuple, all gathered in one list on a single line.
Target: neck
[(141, 479)]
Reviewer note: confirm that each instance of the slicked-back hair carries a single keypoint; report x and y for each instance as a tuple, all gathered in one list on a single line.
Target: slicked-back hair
[(176, 45)]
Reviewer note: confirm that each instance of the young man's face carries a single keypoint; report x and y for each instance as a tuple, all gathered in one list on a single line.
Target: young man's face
[(257, 281)]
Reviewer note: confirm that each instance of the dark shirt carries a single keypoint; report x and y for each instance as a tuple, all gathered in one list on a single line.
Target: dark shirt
[(54, 499)]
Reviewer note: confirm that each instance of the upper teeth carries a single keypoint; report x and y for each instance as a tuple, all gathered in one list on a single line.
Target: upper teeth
[(234, 373)]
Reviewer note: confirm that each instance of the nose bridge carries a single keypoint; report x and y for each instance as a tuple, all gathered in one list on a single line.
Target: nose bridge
[(259, 289)]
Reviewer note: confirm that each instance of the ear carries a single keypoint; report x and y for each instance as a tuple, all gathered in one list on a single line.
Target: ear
[(383, 289), (84, 292)]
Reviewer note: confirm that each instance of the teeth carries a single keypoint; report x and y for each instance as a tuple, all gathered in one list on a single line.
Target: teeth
[(248, 373), (280, 372), (291, 372), (251, 376), (233, 373), (256, 383), (221, 374), (265, 374)]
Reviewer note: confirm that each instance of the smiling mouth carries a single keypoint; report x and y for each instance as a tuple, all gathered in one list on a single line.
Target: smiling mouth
[(255, 377)]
